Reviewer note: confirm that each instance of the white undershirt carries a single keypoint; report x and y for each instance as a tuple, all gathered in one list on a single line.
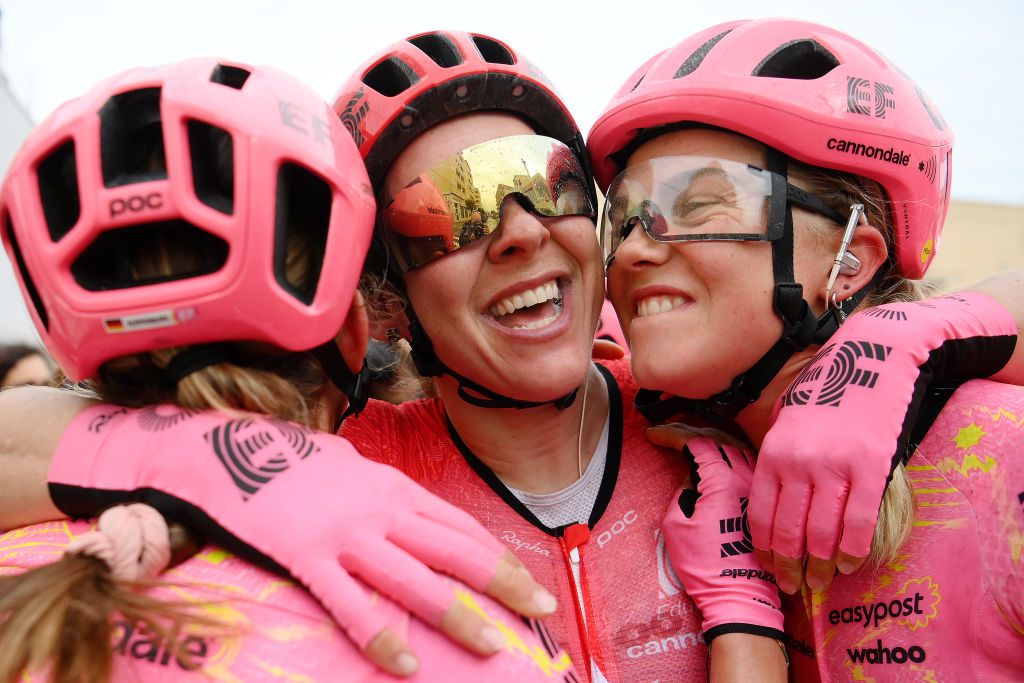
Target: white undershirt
[(574, 503)]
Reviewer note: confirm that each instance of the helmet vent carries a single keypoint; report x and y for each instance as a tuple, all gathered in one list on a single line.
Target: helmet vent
[(439, 48), (300, 234), (30, 287), (390, 77), (58, 190), (639, 81), (492, 51), (132, 144), (802, 59), (148, 254), (213, 177), (231, 76), (694, 60)]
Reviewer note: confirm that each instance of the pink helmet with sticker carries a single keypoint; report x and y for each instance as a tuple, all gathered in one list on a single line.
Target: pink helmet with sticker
[(812, 92), (234, 161)]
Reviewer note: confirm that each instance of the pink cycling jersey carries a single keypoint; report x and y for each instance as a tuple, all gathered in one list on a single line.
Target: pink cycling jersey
[(639, 625), (950, 607), (279, 632)]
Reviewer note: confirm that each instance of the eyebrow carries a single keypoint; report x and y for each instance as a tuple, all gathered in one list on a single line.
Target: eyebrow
[(677, 186)]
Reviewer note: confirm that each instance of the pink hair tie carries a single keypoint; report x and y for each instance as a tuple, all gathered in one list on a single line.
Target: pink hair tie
[(132, 540)]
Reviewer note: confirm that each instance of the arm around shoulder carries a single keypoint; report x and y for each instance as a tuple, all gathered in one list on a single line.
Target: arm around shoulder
[(32, 420), (1006, 287)]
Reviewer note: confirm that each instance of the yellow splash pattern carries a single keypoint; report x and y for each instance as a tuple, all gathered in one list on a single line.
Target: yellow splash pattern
[(515, 644), (1006, 503), (943, 524), (970, 463), (968, 437), (299, 632), (48, 546), (885, 578), (857, 674), (926, 587), (281, 673), (999, 413), (228, 642), (929, 493), (214, 555), (272, 588)]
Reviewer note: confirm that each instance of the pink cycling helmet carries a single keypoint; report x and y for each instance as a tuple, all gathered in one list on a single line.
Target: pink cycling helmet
[(428, 78), (809, 91), (142, 153)]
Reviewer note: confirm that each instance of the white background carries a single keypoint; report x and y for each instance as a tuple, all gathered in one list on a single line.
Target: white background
[(965, 55)]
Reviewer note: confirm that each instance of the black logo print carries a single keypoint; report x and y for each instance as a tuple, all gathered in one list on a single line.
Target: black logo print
[(862, 93), (734, 525), (843, 372), (928, 168), (352, 115), (255, 451), (159, 418), (101, 421), (885, 314)]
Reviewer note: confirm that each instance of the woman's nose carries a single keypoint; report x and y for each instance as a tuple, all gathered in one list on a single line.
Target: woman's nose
[(519, 232), (638, 249)]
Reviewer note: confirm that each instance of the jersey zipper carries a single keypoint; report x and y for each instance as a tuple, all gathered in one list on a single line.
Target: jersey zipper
[(572, 539)]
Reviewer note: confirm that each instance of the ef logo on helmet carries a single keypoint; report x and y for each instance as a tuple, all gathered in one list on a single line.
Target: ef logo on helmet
[(306, 123), (859, 97), (136, 203)]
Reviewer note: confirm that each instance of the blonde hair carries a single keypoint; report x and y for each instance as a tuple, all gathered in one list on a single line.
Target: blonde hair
[(61, 615), (839, 190)]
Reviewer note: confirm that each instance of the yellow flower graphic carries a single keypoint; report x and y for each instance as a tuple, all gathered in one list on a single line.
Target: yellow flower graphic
[(926, 598)]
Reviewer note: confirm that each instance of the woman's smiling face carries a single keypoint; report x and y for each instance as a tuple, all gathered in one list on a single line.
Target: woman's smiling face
[(515, 311), (698, 314)]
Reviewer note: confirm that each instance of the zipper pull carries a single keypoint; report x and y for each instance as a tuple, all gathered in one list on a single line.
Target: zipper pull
[(575, 536)]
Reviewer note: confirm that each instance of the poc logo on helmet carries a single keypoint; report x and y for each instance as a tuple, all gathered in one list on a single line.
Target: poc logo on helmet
[(136, 203)]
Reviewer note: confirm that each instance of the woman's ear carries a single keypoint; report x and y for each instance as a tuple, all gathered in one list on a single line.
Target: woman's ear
[(392, 325), (354, 336), (869, 249)]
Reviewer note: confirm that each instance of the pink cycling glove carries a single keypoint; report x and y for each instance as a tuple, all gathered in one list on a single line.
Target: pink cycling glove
[(848, 419), (708, 540), (284, 497)]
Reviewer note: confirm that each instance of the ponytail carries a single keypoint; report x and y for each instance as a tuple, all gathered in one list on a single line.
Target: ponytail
[(62, 615)]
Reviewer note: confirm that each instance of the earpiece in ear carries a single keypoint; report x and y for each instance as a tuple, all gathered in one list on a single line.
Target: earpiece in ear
[(848, 264)]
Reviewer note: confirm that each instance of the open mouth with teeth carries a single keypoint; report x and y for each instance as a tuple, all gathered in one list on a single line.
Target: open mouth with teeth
[(654, 305), (531, 308)]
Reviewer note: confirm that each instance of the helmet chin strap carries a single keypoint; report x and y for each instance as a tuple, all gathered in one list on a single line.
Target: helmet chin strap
[(473, 393), (800, 327)]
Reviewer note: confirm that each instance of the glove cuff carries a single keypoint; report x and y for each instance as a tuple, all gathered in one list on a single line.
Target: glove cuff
[(736, 627)]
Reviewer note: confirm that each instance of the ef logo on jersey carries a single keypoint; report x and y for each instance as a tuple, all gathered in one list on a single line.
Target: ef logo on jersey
[(849, 366), (255, 451)]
